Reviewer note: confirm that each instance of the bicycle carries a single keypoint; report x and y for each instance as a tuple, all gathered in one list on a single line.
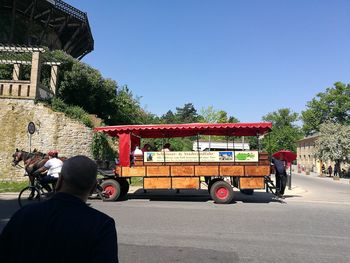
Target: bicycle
[(34, 193)]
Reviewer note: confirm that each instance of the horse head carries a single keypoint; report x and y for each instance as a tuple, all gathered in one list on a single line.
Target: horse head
[(17, 157)]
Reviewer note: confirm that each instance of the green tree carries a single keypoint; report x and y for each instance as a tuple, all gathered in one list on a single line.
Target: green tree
[(81, 85), (284, 132), (186, 114), (332, 105), (168, 117), (101, 147), (128, 109), (6, 71), (333, 143), (211, 115)]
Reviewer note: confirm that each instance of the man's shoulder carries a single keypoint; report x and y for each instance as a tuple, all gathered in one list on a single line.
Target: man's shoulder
[(98, 214), (33, 211), (76, 206)]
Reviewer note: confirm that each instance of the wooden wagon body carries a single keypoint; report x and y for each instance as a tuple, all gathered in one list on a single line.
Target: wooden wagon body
[(220, 170)]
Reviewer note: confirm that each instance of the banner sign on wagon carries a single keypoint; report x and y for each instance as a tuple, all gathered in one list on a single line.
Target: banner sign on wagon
[(246, 156), (220, 156)]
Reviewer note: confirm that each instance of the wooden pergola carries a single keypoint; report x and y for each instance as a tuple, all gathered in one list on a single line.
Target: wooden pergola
[(32, 88)]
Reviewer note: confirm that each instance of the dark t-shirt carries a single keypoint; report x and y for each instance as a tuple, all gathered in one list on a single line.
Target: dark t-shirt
[(279, 166), (62, 229)]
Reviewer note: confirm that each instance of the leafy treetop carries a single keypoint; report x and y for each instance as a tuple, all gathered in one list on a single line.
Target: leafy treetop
[(332, 105)]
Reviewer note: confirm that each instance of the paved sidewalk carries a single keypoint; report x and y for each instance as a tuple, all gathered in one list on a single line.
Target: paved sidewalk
[(323, 177)]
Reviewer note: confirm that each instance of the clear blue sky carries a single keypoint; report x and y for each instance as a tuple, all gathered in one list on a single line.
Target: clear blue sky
[(245, 57)]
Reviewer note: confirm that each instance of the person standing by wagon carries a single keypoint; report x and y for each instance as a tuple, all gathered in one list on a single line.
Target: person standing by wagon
[(281, 176)]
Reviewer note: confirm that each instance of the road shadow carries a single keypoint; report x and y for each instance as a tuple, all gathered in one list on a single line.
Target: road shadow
[(8, 206), (199, 196), (171, 195), (292, 196), (257, 197)]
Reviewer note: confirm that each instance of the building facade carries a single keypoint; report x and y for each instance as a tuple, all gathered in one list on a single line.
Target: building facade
[(307, 162), (306, 159)]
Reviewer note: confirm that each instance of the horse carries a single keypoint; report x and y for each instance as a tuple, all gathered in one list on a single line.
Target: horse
[(32, 161)]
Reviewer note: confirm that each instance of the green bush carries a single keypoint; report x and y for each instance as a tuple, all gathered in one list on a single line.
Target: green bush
[(101, 149), (75, 112)]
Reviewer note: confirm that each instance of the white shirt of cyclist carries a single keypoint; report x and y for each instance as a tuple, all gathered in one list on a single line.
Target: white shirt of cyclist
[(54, 166)]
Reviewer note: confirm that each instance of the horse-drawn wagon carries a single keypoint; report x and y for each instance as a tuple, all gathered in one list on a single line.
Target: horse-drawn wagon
[(221, 170)]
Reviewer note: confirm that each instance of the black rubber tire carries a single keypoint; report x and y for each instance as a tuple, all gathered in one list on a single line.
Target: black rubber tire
[(221, 192), (247, 191), (111, 189), (24, 196), (124, 184), (211, 182)]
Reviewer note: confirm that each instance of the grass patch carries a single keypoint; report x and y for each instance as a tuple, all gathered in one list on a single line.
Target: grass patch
[(12, 186), (137, 181)]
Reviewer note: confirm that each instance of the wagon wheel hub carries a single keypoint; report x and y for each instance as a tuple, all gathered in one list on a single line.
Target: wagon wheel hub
[(222, 192), (109, 190)]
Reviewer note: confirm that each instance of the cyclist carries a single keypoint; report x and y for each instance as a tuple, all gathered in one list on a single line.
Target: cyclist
[(53, 167)]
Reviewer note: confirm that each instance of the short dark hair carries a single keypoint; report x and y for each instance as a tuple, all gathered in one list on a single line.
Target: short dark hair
[(79, 173)]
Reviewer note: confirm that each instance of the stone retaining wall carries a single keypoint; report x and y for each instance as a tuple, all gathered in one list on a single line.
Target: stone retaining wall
[(54, 130)]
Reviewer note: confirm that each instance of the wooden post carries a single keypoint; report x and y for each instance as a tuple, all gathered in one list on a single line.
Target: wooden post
[(53, 78), (16, 71), (35, 74)]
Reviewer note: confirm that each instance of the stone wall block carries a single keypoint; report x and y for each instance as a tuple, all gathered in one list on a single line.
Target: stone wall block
[(54, 131)]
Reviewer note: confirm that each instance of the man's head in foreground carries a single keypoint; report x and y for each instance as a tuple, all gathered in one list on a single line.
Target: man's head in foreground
[(78, 177)]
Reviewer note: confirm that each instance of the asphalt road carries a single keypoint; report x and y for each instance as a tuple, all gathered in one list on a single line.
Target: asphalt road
[(313, 225)]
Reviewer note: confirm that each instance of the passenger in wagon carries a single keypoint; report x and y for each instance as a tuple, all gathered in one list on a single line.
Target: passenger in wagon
[(166, 147), (146, 148)]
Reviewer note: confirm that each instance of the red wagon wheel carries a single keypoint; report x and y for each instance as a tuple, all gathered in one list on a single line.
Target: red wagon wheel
[(221, 192), (111, 190)]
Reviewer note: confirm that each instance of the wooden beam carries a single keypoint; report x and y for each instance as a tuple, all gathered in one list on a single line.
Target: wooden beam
[(46, 25), (58, 19), (67, 45), (30, 6), (29, 29), (24, 62), (42, 14), (21, 49)]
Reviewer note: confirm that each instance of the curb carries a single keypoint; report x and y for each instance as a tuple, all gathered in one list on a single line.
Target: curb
[(332, 179)]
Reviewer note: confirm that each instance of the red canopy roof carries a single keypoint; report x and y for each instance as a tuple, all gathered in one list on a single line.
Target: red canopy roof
[(189, 129)]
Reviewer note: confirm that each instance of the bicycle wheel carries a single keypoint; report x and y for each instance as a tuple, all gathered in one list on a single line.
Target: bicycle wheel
[(28, 195)]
